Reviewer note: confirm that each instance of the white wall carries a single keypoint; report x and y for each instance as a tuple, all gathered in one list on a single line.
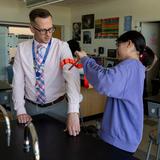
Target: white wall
[(16, 11), (140, 10)]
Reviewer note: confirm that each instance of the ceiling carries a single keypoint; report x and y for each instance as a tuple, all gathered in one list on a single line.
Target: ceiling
[(71, 3), (78, 2)]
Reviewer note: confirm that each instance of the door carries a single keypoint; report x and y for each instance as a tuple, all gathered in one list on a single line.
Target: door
[(58, 32), (151, 32)]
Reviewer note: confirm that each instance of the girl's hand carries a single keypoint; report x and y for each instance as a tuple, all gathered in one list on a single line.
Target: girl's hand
[(81, 54)]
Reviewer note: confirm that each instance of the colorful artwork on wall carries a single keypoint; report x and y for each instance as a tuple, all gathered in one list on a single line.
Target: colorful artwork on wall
[(107, 28), (98, 28)]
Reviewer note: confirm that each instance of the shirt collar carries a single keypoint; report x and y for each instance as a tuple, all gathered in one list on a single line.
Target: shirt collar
[(44, 44)]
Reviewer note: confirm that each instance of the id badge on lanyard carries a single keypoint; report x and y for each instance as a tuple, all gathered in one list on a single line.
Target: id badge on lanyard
[(39, 68)]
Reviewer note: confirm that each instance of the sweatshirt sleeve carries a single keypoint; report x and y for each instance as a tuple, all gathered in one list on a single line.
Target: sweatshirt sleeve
[(110, 82)]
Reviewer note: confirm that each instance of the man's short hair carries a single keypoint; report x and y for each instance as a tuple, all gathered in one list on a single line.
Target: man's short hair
[(39, 12)]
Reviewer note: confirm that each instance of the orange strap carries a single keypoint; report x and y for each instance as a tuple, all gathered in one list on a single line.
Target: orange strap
[(86, 83), (77, 65), (70, 61)]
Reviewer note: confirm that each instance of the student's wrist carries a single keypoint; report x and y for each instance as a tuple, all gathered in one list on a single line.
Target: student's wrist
[(83, 59)]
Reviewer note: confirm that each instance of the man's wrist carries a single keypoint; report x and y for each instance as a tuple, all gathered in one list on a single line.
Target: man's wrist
[(73, 113)]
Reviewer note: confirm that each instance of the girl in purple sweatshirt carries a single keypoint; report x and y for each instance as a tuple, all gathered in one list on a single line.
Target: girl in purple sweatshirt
[(123, 84)]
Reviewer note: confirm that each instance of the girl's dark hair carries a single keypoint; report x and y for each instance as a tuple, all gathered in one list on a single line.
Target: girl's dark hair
[(39, 12), (146, 54), (137, 39), (147, 57)]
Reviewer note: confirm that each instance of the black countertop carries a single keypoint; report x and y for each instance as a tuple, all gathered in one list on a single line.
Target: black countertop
[(54, 144)]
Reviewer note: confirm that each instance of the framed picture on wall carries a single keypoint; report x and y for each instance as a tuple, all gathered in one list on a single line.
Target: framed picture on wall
[(88, 21), (127, 23), (76, 31), (87, 38), (107, 28)]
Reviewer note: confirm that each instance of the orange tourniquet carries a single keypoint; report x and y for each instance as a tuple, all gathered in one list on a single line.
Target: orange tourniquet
[(77, 65), (70, 61)]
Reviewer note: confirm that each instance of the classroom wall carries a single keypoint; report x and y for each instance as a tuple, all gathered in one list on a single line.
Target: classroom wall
[(140, 10), (16, 11)]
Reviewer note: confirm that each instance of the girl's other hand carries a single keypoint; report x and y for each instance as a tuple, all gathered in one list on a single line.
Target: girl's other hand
[(81, 54)]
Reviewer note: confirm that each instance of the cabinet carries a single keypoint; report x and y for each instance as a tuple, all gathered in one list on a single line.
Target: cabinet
[(155, 86), (93, 103)]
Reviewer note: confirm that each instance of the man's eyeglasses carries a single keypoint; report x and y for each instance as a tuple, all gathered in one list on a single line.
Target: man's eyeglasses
[(44, 31)]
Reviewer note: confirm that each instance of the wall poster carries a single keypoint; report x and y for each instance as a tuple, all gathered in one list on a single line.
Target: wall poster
[(77, 31), (88, 21), (87, 39), (107, 28), (127, 23)]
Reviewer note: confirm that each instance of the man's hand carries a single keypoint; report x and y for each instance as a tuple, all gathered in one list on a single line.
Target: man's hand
[(73, 124), (24, 118)]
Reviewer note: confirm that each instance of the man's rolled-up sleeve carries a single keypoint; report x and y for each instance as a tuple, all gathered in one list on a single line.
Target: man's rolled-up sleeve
[(18, 84), (72, 78)]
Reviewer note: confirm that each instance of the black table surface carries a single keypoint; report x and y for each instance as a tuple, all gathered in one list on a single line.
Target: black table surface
[(54, 144)]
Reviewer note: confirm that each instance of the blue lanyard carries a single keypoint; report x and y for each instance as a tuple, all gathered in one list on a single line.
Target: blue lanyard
[(44, 59)]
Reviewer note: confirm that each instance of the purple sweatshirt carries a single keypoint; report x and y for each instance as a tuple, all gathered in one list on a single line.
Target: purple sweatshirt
[(122, 124)]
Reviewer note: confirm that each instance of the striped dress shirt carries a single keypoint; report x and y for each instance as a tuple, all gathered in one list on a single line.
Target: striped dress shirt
[(58, 81)]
